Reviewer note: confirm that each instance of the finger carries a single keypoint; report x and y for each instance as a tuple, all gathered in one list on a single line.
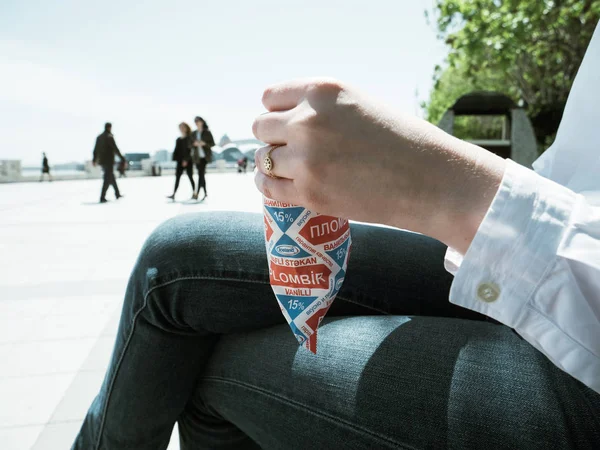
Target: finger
[(286, 95), (271, 127), (276, 188), (282, 160)]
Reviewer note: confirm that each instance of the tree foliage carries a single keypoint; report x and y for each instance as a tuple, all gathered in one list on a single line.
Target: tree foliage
[(527, 49)]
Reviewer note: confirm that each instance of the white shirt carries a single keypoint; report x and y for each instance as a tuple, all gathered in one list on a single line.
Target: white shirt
[(201, 153), (534, 263)]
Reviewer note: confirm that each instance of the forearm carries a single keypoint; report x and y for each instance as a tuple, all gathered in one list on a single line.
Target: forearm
[(459, 182)]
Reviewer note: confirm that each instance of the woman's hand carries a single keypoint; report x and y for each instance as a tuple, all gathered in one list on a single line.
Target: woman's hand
[(345, 155)]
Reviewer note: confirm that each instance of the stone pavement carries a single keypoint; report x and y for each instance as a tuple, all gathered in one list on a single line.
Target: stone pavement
[(64, 264)]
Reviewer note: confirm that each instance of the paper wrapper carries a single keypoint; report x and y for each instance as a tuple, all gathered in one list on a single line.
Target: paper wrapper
[(308, 256)]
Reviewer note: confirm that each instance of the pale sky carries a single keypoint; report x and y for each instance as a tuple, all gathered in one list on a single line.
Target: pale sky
[(68, 66)]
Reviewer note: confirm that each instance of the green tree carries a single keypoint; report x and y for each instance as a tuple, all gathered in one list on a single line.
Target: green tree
[(527, 49)]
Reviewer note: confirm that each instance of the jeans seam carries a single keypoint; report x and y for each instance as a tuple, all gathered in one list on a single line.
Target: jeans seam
[(129, 337), (242, 280), (117, 367), (340, 297), (299, 405)]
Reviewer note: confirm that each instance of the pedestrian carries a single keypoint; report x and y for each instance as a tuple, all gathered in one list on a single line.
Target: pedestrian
[(183, 156), (104, 155), (202, 143), (242, 164), (45, 168)]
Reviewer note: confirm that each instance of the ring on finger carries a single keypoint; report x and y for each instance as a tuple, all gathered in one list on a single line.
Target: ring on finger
[(268, 162)]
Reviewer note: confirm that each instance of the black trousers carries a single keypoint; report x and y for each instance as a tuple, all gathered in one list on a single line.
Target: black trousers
[(189, 169), (109, 180), (201, 166)]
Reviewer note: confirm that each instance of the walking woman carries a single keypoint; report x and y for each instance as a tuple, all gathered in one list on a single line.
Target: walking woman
[(202, 143), (183, 155)]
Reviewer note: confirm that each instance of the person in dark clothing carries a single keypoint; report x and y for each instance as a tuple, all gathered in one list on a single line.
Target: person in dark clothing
[(202, 143), (45, 168), (242, 164), (183, 155), (104, 155)]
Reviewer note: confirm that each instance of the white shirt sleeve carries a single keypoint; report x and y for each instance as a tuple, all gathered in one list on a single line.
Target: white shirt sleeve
[(534, 265)]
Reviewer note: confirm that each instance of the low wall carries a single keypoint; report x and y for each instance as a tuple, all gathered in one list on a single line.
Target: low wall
[(95, 174)]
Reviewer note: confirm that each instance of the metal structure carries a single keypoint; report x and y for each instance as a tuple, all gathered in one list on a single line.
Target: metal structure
[(518, 139)]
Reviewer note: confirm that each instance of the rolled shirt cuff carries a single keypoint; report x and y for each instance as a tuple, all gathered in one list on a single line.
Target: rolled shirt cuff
[(514, 246)]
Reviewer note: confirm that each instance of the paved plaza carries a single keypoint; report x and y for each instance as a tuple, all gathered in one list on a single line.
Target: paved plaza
[(64, 262)]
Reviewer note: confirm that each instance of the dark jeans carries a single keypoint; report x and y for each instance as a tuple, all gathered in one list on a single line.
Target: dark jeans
[(189, 169), (203, 342), (109, 180), (201, 166)]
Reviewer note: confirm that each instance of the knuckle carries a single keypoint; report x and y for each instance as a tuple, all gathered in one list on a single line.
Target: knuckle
[(327, 86), (306, 120)]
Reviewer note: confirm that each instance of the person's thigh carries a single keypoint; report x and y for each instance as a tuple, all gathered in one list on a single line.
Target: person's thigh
[(392, 382), (200, 276)]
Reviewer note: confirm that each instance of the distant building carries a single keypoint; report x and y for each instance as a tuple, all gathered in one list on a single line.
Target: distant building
[(224, 141), (231, 154), (236, 149), (162, 156)]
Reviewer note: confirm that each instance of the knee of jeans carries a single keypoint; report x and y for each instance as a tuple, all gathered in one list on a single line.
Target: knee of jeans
[(195, 243)]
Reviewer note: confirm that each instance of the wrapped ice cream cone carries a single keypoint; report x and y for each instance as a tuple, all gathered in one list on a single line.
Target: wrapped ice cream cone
[(308, 255)]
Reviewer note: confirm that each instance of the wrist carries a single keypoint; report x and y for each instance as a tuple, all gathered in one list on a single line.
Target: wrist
[(470, 194)]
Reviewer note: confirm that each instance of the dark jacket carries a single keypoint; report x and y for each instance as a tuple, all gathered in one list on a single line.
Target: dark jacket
[(208, 139), (106, 149), (183, 150)]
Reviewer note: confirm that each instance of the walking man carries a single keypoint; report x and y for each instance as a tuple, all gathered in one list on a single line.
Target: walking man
[(104, 155)]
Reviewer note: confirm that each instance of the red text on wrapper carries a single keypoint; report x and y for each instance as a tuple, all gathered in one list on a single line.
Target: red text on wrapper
[(316, 276), (321, 229), (277, 204), (337, 243)]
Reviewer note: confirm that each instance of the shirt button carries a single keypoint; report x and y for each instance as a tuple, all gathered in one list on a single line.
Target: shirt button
[(488, 292)]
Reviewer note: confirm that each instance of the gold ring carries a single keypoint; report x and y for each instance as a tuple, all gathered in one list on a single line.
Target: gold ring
[(268, 162)]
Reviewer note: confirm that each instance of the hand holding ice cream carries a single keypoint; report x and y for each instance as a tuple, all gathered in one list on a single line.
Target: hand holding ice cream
[(344, 155)]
